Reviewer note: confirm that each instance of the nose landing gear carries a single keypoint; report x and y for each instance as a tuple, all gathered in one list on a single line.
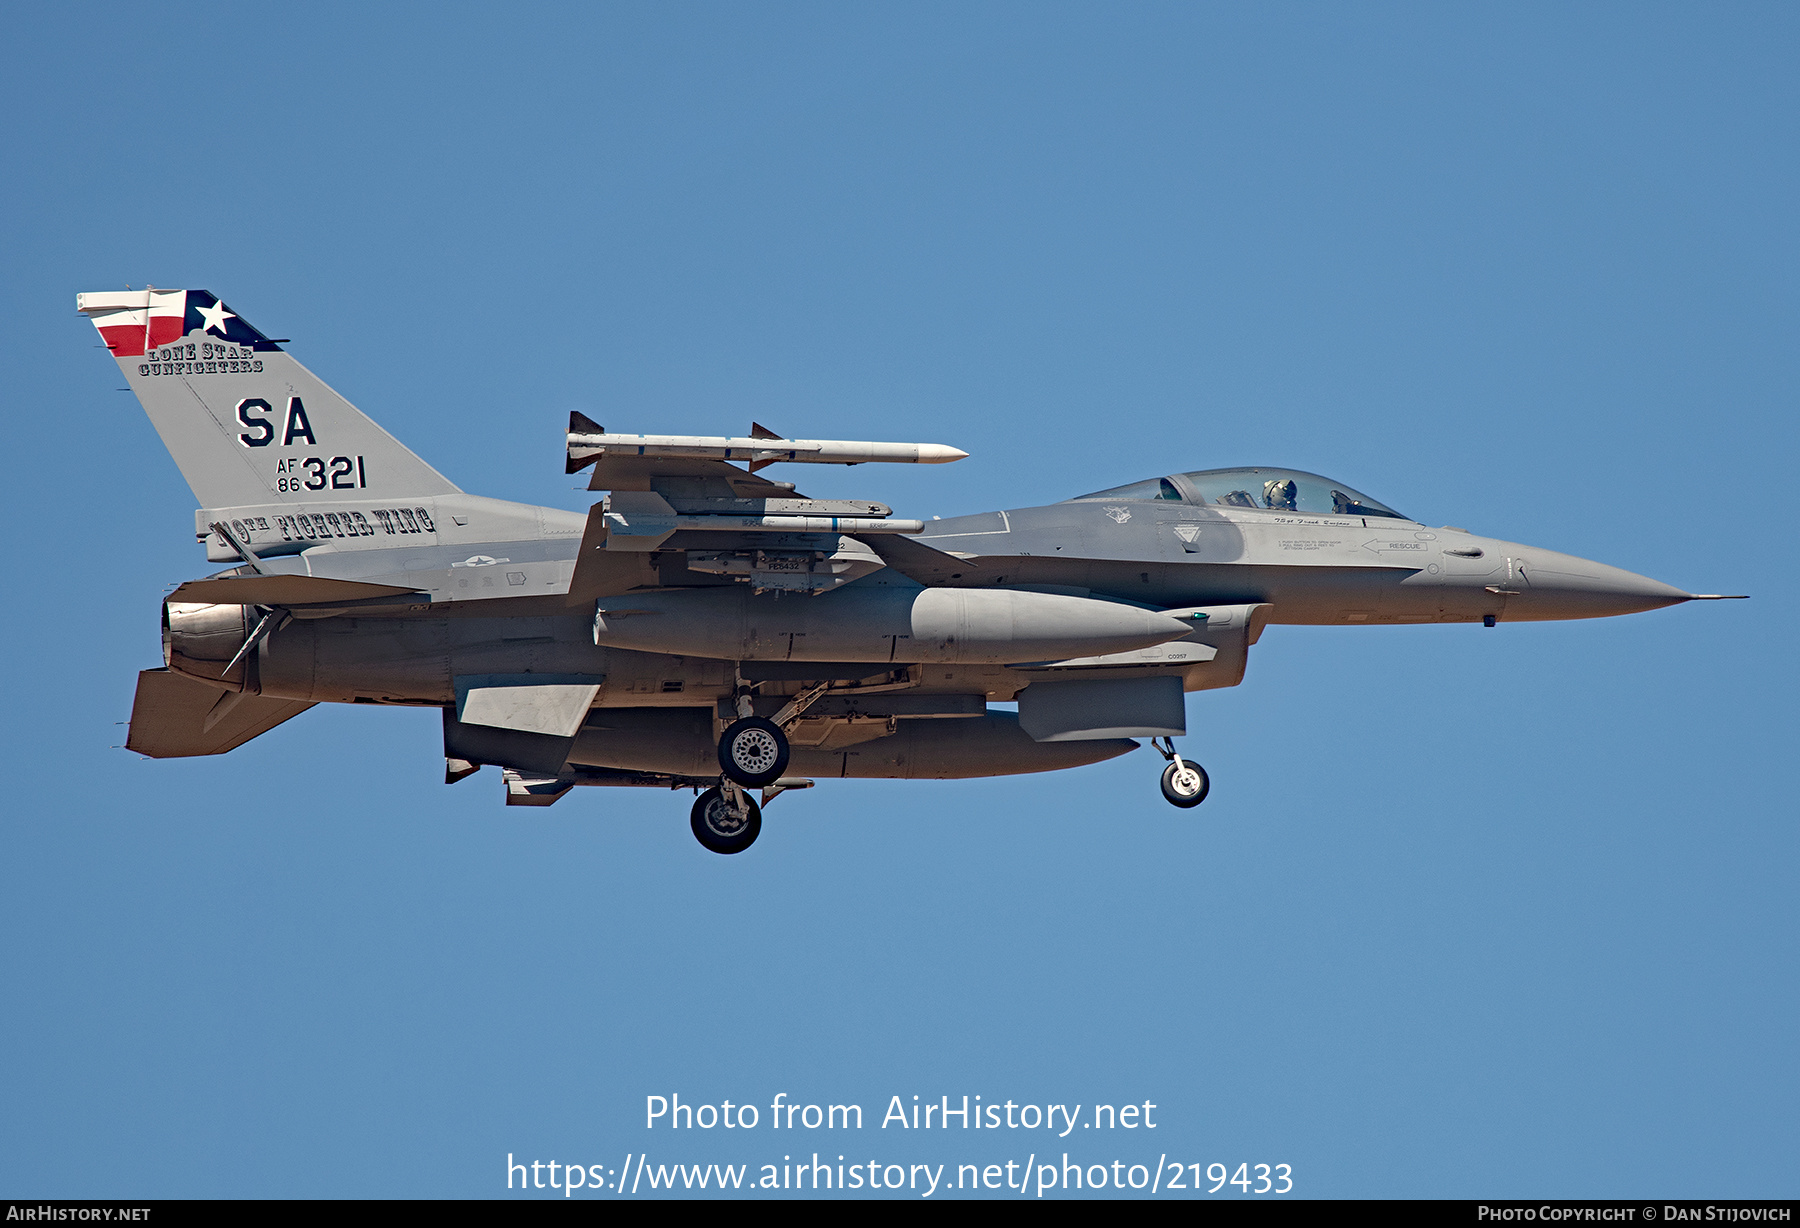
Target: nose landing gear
[(726, 819), (1184, 783)]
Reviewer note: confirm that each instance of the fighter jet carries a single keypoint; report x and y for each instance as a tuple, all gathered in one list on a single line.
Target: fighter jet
[(707, 627)]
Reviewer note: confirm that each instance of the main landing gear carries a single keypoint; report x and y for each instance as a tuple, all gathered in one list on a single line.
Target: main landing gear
[(726, 819), (1184, 782), (753, 752)]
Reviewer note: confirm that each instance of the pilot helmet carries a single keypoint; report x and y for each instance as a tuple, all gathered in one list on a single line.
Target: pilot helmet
[(1279, 492)]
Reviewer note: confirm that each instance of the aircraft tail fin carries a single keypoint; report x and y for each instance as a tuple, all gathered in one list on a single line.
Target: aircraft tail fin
[(245, 422)]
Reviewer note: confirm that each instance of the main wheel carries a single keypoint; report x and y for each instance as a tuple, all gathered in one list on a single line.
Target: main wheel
[(720, 829), (1185, 785), (753, 752)]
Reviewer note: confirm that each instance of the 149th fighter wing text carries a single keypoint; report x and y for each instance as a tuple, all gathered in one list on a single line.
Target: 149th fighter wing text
[(322, 526)]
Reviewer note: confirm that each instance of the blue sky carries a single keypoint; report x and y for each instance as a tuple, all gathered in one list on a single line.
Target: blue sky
[(1469, 912)]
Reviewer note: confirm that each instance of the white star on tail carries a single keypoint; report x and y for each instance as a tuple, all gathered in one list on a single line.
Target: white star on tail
[(215, 317)]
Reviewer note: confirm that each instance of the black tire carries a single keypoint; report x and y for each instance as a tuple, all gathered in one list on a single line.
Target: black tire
[(753, 752), (1175, 796), (713, 825)]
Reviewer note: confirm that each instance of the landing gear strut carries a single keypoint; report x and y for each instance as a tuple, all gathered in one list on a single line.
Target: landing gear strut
[(726, 819), (1184, 783)]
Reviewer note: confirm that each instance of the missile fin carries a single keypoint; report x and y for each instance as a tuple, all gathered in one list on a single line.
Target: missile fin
[(581, 424), (759, 431)]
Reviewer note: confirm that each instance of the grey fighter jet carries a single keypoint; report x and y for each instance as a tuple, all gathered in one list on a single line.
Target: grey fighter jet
[(704, 626)]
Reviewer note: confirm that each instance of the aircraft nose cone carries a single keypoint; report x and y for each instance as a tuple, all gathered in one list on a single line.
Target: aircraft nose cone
[(1563, 586)]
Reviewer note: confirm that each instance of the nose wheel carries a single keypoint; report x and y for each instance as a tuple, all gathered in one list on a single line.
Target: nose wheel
[(726, 819), (1184, 782)]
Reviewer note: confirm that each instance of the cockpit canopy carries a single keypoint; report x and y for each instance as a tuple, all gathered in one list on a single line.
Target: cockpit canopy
[(1282, 490)]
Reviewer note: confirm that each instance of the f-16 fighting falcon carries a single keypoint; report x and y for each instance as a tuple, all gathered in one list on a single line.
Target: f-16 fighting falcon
[(704, 626)]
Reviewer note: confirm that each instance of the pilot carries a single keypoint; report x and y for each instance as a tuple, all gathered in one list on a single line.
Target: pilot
[(1280, 493)]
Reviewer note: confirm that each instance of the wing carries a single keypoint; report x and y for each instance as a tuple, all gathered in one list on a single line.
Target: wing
[(681, 514), (174, 717)]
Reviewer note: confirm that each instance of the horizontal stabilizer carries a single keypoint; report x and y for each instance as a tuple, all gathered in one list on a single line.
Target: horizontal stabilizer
[(175, 717), (282, 590)]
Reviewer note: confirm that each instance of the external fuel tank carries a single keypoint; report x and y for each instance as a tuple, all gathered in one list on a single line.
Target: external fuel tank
[(880, 622)]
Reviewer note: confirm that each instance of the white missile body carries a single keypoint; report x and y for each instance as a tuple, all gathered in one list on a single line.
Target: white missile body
[(880, 623), (588, 446)]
